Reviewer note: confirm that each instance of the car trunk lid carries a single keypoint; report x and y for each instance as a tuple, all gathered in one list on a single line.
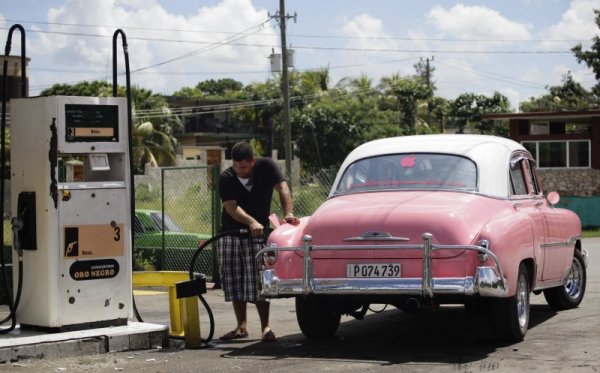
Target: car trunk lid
[(391, 218)]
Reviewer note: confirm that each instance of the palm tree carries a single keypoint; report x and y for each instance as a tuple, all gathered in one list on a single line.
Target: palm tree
[(314, 82), (151, 146)]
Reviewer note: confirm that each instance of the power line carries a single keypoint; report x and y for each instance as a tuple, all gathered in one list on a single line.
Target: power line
[(128, 27), (309, 36), (190, 54), (308, 47), (210, 73), (495, 76), (240, 35), (406, 38)]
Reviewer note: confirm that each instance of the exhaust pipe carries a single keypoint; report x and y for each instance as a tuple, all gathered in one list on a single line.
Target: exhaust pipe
[(411, 305)]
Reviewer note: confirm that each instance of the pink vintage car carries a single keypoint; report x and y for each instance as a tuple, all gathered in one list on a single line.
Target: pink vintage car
[(429, 220)]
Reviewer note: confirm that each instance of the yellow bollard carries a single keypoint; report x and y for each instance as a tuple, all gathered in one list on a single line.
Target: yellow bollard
[(191, 324), (183, 312)]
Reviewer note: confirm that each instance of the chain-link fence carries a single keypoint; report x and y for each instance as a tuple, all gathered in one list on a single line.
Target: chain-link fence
[(308, 192), (192, 213), (173, 218)]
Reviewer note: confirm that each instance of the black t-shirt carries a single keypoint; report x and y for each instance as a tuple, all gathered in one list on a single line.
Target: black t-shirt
[(257, 201)]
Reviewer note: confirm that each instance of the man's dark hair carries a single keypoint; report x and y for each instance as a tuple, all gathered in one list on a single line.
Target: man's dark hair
[(242, 151)]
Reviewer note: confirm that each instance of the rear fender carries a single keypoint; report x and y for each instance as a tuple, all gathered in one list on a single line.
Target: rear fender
[(512, 241)]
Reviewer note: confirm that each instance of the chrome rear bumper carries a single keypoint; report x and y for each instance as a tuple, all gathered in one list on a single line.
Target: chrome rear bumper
[(487, 281)]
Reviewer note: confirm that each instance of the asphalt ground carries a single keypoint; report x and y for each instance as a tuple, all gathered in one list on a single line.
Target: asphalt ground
[(387, 340)]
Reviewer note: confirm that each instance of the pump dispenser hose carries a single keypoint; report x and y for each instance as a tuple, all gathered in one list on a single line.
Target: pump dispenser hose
[(130, 137), (237, 232), (12, 306)]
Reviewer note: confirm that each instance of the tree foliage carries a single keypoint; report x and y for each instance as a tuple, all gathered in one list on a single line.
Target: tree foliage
[(310, 82), (591, 57), (409, 92), (221, 88), (326, 131), (151, 146), (425, 72), (467, 109), (97, 88), (569, 96)]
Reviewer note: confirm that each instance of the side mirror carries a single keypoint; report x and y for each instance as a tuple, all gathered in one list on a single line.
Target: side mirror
[(553, 198)]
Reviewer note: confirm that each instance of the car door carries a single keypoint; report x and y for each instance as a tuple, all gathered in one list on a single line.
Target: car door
[(555, 249), (526, 197)]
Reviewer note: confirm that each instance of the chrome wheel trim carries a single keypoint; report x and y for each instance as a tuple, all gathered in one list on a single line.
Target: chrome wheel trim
[(574, 280), (522, 301)]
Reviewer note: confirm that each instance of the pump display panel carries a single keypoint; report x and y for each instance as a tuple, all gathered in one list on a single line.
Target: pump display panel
[(91, 123)]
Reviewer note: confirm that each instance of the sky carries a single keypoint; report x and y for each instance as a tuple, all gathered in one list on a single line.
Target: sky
[(515, 47)]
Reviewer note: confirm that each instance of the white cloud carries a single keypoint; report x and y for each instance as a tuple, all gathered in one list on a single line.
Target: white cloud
[(424, 32), (477, 22), (514, 97), (367, 32), (577, 23), (154, 35)]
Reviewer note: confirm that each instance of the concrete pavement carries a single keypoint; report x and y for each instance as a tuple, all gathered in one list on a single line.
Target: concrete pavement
[(445, 340)]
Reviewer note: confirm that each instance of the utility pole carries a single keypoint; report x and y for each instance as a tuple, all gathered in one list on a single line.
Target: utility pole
[(285, 89), (428, 79)]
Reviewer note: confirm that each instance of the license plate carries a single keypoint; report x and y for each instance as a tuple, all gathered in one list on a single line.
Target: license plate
[(373, 270)]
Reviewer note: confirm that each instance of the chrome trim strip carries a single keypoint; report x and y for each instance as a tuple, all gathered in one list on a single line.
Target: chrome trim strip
[(570, 241), (376, 236), (390, 238), (561, 282), (551, 284), (555, 244)]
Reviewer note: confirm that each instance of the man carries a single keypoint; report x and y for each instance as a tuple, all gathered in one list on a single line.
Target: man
[(246, 190)]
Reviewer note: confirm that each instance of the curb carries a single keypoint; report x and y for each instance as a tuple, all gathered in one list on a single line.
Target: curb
[(134, 336)]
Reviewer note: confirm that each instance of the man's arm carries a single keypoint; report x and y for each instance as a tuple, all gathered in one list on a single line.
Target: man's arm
[(285, 197), (241, 216)]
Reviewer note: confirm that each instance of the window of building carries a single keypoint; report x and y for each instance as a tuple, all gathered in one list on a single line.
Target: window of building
[(539, 128), (560, 154), (542, 128)]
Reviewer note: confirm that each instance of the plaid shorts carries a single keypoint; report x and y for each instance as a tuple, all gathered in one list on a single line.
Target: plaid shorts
[(239, 268)]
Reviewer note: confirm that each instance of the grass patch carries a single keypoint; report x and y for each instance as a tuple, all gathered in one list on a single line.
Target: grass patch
[(589, 233)]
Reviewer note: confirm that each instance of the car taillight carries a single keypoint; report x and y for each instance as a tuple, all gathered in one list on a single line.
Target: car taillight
[(483, 257), (270, 257)]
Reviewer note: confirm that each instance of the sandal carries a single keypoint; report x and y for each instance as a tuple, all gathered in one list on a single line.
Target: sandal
[(234, 334), (269, 336)]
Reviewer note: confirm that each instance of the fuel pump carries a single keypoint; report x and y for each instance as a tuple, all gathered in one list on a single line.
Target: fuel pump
[(70, 193)]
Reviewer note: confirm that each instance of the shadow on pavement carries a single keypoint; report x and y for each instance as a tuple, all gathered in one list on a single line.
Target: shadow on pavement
[(447, 335)]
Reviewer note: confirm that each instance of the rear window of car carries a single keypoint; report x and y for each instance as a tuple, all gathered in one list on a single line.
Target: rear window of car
[(170, 225), (409, 171)]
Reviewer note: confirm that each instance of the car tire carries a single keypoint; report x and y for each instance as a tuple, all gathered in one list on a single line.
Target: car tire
[(571, 293), (315, 318), (510, 316)]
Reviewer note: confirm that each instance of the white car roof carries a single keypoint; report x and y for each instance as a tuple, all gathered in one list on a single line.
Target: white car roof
[(491, 154)]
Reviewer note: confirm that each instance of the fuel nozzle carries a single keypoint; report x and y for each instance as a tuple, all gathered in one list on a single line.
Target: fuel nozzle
[(17, 226)]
